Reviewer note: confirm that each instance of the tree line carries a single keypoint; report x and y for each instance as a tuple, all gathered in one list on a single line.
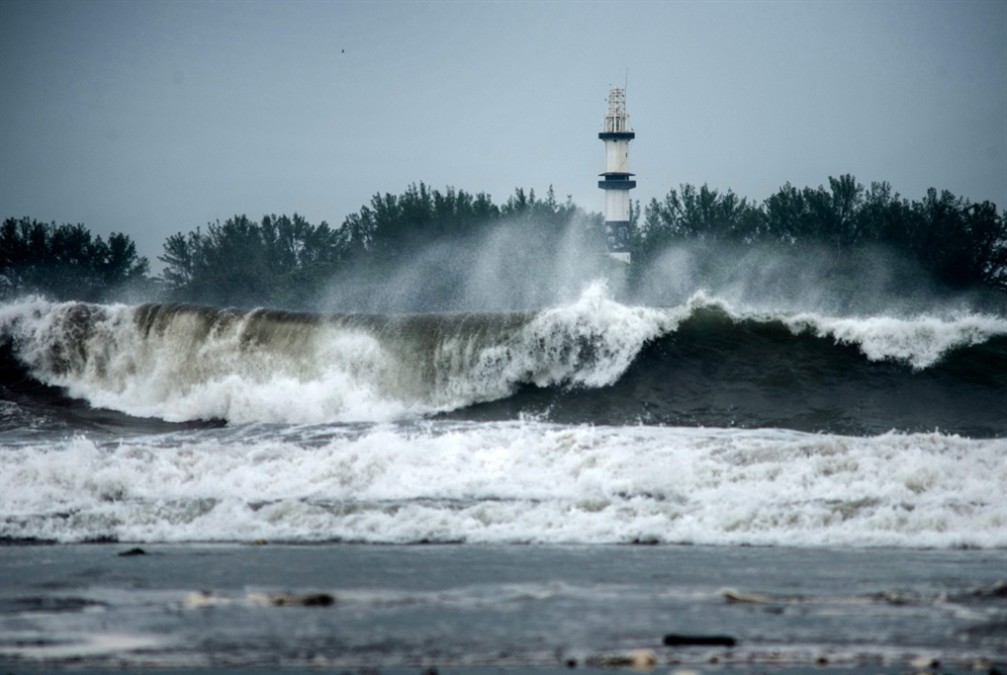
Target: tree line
[(284, 260), (65, 261), (243, 262), (959, 243)]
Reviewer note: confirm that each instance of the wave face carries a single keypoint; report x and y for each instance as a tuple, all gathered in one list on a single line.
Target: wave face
[(509, 482), (592, 361)]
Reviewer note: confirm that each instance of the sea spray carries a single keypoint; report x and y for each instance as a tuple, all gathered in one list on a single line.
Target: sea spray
[(591, 360), (181, 362)]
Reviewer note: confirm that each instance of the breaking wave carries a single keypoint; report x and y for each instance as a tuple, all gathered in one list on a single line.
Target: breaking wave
[(594, 360)]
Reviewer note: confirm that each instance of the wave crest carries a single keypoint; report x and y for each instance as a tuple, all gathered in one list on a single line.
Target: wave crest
[(181, 362)]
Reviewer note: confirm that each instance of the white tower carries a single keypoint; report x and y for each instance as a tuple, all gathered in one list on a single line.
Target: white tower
[(616, 180)]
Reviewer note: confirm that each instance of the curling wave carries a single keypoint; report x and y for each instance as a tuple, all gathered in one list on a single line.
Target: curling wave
[(594, 360)]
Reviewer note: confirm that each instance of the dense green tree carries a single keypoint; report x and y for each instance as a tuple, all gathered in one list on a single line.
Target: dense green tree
[(428, 249), (394, 226), (702, 214), (65, 261), (845, 199), (987, 231), (242, 262), (286, 261), (959, 243), (883, 216)]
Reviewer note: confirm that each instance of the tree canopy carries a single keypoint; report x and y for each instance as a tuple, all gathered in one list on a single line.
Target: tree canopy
[(392, 226), (286, 261), (64, 261), (959, 243), (242, 262)]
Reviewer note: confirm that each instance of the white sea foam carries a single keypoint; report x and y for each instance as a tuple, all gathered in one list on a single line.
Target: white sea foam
[(590, 342), (512, 482), (920, 341), (337, 371), (198, 364)]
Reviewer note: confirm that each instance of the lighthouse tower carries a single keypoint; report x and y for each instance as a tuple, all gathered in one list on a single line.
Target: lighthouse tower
[(616, 181)]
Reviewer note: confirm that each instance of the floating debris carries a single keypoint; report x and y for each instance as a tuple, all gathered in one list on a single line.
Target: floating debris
[(678, 640)]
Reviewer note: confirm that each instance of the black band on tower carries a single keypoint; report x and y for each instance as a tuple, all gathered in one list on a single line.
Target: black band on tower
[(617, 135)]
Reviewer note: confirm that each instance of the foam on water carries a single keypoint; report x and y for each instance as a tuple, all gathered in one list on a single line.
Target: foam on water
[(920, 340), (511, 482), (189, 363), (192, 363)]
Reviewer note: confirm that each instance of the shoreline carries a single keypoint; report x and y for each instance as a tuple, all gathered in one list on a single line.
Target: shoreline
[(481, 609)]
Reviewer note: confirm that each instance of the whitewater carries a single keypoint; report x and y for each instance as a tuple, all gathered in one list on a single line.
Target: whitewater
[(591, 422), (218, 490), (511, 482), (178, 363)]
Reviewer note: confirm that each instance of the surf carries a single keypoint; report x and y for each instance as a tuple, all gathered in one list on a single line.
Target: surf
[(591, 360), (506, 483)]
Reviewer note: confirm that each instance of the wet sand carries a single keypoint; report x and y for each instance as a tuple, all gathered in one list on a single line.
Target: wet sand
[(494, 609)]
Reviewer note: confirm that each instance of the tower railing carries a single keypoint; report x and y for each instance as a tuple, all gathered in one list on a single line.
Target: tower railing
[(617, 119)]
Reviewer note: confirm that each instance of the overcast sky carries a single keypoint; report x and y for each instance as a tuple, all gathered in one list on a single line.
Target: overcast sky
[(151, 118)]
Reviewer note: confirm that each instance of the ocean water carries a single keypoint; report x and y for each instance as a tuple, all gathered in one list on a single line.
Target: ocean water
[(557, 439)]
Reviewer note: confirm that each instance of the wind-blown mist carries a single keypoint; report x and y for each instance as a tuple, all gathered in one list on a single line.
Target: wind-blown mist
[(515, 266), (524, 266), (869, 281)]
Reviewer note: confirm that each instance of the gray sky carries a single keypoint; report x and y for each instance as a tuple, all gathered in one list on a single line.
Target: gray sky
[(151, 118)]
